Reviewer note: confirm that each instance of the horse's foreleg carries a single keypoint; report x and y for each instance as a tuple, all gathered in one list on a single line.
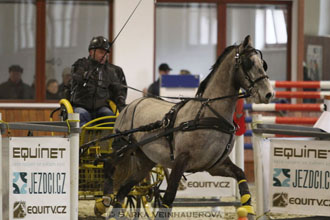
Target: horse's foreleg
[(228, 169), (180, 164)]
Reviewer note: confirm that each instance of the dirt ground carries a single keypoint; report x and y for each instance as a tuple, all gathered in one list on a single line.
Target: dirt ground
[(199, 213)]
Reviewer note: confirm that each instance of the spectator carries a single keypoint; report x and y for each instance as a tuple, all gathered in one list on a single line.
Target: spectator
[(66, 77), (184, 72), (15, 88), (153, 89), (52, 89), (95, 81)]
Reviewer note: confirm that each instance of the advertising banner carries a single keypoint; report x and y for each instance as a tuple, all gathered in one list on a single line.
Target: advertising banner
[(39, 178), (202, 184), (299, 177)]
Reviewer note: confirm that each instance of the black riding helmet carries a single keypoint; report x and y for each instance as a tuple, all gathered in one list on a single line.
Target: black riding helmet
[(99, 43)]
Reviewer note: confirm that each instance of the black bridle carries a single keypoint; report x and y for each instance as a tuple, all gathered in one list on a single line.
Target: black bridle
[(238, 64)]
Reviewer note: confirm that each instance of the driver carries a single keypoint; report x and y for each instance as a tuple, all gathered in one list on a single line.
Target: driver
[(95, 81)]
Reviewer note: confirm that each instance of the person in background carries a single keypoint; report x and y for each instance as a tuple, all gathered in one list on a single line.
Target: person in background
[(184, 72), (15, 88), (52, 91), (153, 89), (95, 81), (66, 77)]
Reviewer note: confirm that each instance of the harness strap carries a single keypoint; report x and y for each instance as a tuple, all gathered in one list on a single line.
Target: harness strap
[(133, 114), (213, 123), (204, 123), (224, 153), (169, 121)]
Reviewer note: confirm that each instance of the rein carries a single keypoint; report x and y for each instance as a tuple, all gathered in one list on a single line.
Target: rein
[(168, 121), (239, 95)]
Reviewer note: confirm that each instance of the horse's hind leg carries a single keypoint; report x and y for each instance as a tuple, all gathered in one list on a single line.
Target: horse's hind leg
[(228, 169), (141, 169), (102, 204), (180, 164)]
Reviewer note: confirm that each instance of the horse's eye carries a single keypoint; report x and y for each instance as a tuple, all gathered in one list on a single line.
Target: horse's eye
[(265, 66)]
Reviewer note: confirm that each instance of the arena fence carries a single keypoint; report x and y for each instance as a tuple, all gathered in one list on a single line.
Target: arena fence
[(40, 174), (302, 107)]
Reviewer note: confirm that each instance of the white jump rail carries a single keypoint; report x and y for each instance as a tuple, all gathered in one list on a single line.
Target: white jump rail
[(73, 136)]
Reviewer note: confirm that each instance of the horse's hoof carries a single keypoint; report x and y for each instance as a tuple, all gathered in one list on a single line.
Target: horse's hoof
[(251, 217), (242, 213), (249, 209), (246, 213), (99, 207)]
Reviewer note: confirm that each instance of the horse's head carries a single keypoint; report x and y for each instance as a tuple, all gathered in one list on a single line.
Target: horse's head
[(251, 72)]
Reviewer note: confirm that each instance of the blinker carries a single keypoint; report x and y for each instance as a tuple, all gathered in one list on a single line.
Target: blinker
[(264, 65)]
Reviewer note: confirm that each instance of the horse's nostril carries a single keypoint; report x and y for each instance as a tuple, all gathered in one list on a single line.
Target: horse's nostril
[(269, 95)]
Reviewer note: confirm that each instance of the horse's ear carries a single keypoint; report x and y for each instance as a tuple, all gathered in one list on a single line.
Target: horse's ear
[(247, 41)]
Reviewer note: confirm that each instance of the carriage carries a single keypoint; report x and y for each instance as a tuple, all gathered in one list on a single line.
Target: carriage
[(193, 135), (144, 196)]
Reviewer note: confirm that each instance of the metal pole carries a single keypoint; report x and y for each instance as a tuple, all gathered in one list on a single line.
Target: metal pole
[(74, 169), (232, 156), (258, 168), (240, 151), (239, 156)]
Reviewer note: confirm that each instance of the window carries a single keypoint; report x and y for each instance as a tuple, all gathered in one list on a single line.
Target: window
[(202, 24), (70, 26), (186, 36), (17, 50), (276, 31), (25, 23)]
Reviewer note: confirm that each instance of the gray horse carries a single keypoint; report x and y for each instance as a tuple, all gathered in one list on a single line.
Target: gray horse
[(206, 144)]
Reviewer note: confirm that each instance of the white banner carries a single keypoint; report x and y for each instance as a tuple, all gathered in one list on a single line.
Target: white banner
[(299, 177), (39, 178), (202, 184)]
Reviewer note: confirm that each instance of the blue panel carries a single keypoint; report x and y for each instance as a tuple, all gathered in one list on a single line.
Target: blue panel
[(248, 119), (248, 133), (185, 81), (247, 106), (248, 146)]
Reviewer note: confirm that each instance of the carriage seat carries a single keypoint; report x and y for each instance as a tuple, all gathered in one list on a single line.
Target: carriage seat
[(95, 128)]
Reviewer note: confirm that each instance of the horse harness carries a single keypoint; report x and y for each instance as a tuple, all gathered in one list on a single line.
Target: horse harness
[(218, 123), (247, 64)]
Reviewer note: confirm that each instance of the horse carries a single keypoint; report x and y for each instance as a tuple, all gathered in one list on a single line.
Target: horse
[(205, 147)]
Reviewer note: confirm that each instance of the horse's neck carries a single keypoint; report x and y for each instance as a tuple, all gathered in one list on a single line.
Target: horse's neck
[(222, 84)]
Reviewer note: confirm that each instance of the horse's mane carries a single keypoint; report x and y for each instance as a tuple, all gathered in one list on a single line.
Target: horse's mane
[(215, 66)]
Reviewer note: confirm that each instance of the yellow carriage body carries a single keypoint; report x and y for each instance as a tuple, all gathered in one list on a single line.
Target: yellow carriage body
[(91, 176)]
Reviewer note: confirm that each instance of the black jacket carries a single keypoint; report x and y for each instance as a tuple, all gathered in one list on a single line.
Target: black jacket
[(154, 89), (10, 90), (93, 84)]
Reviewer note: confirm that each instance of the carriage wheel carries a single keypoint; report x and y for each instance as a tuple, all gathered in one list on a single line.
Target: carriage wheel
[(148, 194), (153, 200), (145, 199)]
